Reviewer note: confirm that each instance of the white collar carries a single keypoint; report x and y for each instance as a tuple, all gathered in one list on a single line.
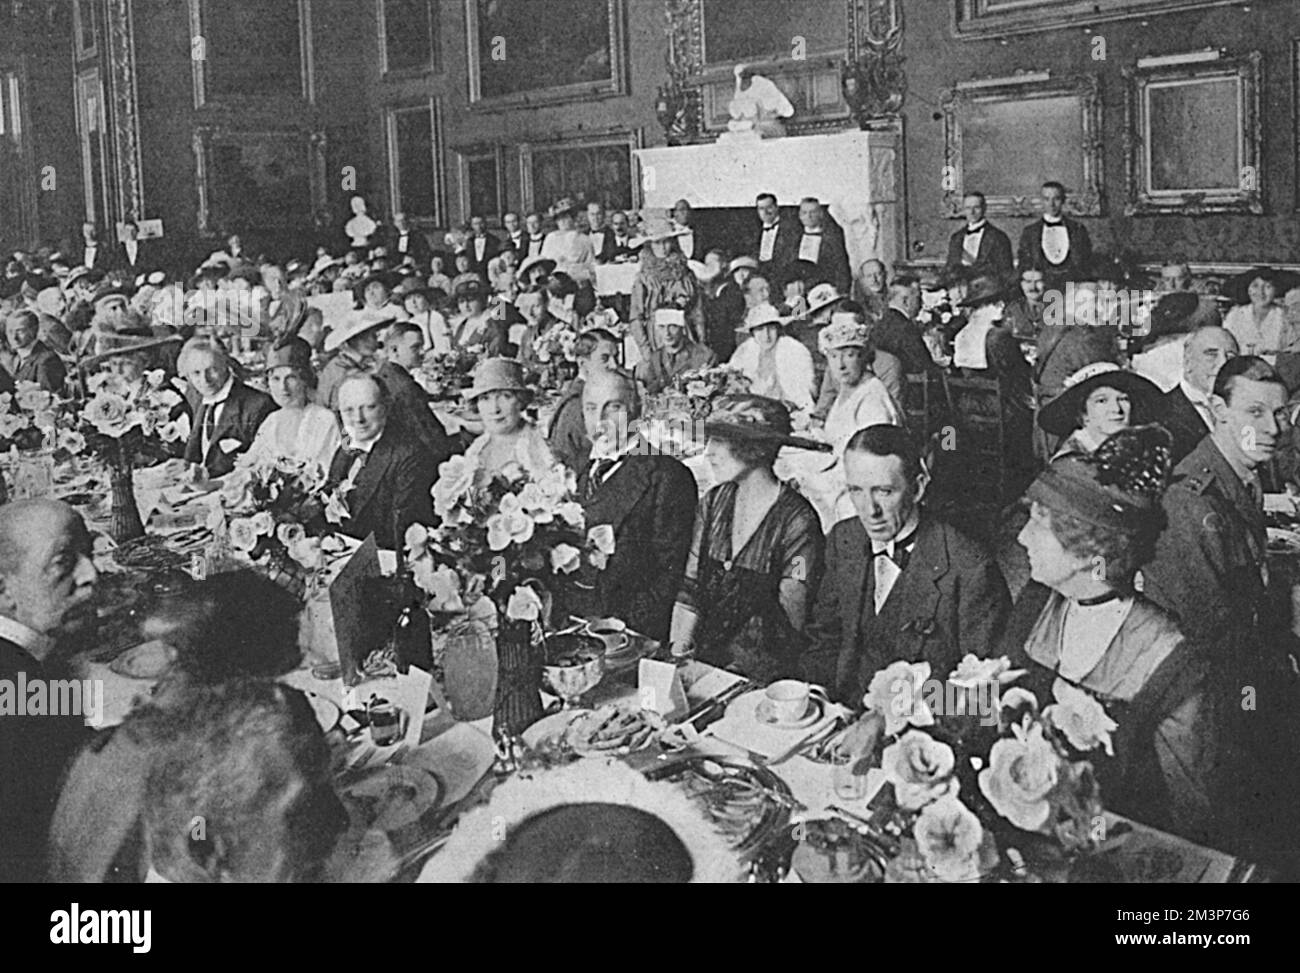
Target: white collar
[(908, 530), (352, 445), (34, 643), (222, 395), (1054, 220), (26, 353), (975, 227), (1194, 395)]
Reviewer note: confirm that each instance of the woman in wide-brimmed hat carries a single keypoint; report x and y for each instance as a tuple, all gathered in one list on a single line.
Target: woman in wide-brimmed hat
[(509, 443), (300, 429), (1089, 640), (663, 279), (1257, 322), (1098, 401), (130, 355), (354, 343), (756, 557), (568, 246), (776, 365)]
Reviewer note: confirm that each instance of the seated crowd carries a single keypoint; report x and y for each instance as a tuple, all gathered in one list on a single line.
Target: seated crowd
[(1140, 573)]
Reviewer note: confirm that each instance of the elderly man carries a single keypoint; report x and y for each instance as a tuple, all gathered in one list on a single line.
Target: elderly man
[(34, 361), (227, 413), (243, 791), (1055, 244), (822, 244), (648, 500), (621, 229), (601, 236), (979, 246), (47, 592), (44, 296), (899, 585), (872, 287), (406, 241), (676, 355), (1189, 414), (382, 472), (898, 332), (481, 246)]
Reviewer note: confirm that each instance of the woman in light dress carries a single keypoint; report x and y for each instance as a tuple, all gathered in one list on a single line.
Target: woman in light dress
[(299, 429), (1258, 323), (777, 366), (568, 246), (509, 443)]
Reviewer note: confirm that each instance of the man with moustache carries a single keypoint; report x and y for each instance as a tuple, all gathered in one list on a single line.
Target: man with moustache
[(899, 584), (980, 247), (1025, 312), (649, 501), (47, 592), (1189, 416)]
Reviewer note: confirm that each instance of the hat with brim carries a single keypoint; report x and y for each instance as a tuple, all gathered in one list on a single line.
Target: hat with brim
[(289, 352), (741, 262), (761, 316), (565, 206), (116, 345), (546, 264), (657, 226), (469, 286), (823, 296), (985, 290), (756, 419), (76, 275), (1237, 289), (1171, 312), (844, 331), (497, 375), (358, 324), (1060, 417)]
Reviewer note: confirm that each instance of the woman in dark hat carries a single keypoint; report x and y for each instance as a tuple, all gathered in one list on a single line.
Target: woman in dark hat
[(1082, 626), (474, 324), (299, 429), (756, 558), (568, 246), (509, 441), (1098, 401), (1257, 322)]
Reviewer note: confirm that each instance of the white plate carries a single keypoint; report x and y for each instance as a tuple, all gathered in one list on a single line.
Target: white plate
[(811, 715), (393, 797), (460, 757), (551, 727)]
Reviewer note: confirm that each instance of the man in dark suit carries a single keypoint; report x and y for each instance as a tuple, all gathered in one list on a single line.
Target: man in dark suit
[(134, 255), (403, 343), (899, 584), (1055, 244), (384, 474), (93, 253), (601, 236), (897, 331), (822, 244), (47, 598), (1189, 415), (692, 242), (481, 246), (979, 246), (33, 359), (649, 500), (777, 242), (227, 413), (405, 241), (519, 239)]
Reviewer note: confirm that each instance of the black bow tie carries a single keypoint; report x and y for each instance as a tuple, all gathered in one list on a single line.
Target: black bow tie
[(972, 230), (772, 228), (1053, 221), (812, 232), (902, 551)]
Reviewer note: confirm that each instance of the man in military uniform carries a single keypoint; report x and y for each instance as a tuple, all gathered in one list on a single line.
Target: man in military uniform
[(1210, 570)]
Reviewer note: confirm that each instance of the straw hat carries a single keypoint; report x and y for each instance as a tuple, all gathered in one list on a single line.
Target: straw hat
[(744, 260), (761, 315), (657, 226), (756, 419), (497, 375), (1060, 416), (546, 263), (358, 323), (823, 296), (109, 345)]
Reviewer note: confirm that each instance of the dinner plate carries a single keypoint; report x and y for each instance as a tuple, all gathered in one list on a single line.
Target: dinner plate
[(1282, 540), (766, 714), (550, 728), (328, 713), (460, 757), (148, 660), (390, 798)]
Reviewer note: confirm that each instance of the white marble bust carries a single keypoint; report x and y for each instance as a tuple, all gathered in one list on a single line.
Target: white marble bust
[(758, 106), (360, 227)]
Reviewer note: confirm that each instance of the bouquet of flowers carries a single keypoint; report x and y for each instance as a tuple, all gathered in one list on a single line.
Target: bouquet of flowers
[(512, 540), (703, 385), (130, 431), (556, 343), (939, 322), (444, 374), (982, 778), (28, 416), (276, 511)]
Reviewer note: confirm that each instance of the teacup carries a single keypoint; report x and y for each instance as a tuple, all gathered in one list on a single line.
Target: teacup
[(611, 631), (788, 700)]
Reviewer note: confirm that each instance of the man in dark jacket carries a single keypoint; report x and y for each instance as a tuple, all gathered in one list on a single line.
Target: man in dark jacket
[(1055, 244), (402, 344), (47, 591), (899, 585), (383, 474), (979, 246), (227, 413), (33, 359), (648, 500), (1188, 412), (898, 333), (776, 244)]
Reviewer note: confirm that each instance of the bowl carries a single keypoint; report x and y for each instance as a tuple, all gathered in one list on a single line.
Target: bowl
[(573, 665)]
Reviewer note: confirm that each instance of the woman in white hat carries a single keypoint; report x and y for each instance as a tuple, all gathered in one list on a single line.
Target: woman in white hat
[(299, 429), (355, 344), (509, 443), (569, 247), (777, 366), (664, 279), (862, 399)]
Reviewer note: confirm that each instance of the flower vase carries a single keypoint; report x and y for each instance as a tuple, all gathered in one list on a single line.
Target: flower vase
[(286, 572), (519, 679), (125, 524)]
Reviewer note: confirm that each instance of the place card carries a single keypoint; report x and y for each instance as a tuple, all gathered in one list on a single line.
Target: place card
[(410, 694), (352, 631), (659, 688)]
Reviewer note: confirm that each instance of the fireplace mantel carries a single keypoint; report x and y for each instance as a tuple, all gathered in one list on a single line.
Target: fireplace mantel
[(858, 175)]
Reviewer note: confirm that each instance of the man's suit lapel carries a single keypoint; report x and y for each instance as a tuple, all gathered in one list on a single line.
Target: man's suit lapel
[(913, 602), (372, 474), (618, 496)]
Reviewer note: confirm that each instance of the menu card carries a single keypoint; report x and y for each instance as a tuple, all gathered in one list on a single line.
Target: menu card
[(347, 601)]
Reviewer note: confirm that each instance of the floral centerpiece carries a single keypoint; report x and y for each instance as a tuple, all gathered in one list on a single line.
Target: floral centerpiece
[(554, 350), (982, 781), (939, 322), (444, 374), (28, 417), (276, 511), (513, 540), (127, 431), (703, 385)]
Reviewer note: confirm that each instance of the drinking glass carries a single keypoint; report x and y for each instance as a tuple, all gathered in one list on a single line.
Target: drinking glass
[(848, 786)]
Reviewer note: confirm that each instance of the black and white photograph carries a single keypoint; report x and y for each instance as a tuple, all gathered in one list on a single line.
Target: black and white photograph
[(651, 441)]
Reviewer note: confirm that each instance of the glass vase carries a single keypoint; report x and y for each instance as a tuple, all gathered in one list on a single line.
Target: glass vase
[(519, 679), (125, 523)]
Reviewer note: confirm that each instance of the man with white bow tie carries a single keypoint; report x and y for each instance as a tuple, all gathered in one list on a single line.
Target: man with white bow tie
[(979, 246), (1055, 244), (899, 584)]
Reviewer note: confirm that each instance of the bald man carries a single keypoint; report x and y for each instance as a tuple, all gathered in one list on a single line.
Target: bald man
[(1187, 404), (649, 500), (47, 592)]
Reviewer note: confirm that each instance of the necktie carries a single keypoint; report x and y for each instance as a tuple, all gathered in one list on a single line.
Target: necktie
[(210, 421), (902, 551), (972, 230), (599, 470)]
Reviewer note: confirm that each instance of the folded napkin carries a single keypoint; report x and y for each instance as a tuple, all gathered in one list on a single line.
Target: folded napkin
[(741, 727)]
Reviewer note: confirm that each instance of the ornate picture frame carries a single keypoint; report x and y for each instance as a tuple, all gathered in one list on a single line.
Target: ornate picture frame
[(570, 85), (268, 163), (977, 19), (433, 65), (982, 128), (393, 145), (203, 96), (84, 37), (1175, 164), (557, 167), (481, 177)]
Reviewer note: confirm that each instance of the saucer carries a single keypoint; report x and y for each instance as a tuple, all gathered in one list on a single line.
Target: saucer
[(811, 715)]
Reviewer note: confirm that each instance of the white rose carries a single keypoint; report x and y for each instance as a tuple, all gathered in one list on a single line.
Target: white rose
[(1082, 719), (973, 671), (565, 558), (1022, 772), (524, 605), (896, 693), (920, 768), (263, 523), (243, 536), (949, 836)]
